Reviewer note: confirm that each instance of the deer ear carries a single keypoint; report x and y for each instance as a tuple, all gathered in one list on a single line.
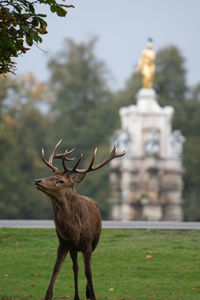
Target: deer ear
[(78, 178)]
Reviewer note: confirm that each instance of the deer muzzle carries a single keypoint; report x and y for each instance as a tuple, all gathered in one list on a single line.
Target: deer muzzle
[(37, 181)]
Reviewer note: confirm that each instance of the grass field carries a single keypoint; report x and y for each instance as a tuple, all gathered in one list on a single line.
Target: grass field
[(127, 265)]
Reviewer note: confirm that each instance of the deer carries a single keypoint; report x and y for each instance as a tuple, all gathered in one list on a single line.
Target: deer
[(77, 218)]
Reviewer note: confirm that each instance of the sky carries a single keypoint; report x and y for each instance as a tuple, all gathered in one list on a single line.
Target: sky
[(122, 28)]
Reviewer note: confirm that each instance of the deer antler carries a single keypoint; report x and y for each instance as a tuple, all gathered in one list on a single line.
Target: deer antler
[(90, 168), (53, 155)]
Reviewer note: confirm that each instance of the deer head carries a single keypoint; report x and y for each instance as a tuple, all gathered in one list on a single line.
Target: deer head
[(60, 181)]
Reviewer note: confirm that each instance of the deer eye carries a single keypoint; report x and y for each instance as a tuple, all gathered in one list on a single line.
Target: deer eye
[(60, 181)]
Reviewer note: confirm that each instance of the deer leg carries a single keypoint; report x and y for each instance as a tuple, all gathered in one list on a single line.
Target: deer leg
[(75, 269), (61, 255), (88, 273), (87, 292)]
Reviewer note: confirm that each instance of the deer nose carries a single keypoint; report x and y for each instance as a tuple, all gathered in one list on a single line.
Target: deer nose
[(37, 181)]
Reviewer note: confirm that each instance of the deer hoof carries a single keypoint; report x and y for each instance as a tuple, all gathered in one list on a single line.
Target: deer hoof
[(87, 293)]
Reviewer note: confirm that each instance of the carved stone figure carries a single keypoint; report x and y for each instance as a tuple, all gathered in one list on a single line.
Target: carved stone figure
[(177, 143), (152, 145), (146, 65)]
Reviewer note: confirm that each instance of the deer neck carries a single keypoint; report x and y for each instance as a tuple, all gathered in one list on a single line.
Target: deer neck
[(70, 194), (67, 216), (65, 203)]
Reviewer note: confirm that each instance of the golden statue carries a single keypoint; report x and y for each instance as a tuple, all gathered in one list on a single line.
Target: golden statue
[(146, 65)]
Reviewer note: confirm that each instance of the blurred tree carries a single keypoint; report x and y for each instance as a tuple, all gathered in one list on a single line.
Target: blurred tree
[(187, 119), (127, 96), (22, 131), (170, 81), (83, 109), (21, 26), (194, 92)]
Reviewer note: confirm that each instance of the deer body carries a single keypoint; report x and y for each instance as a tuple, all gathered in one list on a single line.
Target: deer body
[(78, 221), (77, 218)]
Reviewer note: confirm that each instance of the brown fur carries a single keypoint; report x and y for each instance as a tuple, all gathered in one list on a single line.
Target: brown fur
[(77, 218), (78, 225)]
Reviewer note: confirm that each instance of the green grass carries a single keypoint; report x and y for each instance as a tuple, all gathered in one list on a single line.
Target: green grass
[(127, 265)]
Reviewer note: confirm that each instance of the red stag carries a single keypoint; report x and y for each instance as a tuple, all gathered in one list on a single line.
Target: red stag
[(77, 218)]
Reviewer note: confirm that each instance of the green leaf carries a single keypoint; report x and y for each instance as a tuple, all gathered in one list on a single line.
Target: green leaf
[(53, 8), (68, 6), (42, 30), (42, 15), (25, 28), (35, 22), (31, 8), (29, 41), (42, 22), (61, 12), (18, 8)]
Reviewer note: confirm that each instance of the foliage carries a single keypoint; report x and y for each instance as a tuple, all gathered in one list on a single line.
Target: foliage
[(128, 95), (22, 131), (83, 110), (21, 26), (127, 264), (170, 82), (187, 119)]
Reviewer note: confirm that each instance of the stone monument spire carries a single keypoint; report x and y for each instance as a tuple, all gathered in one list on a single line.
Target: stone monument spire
[(146, 184)]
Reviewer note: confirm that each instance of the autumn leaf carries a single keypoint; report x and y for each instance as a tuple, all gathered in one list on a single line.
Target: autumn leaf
[(174, 293), (148, 286)]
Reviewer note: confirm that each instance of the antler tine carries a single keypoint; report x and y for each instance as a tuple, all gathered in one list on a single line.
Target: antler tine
[(111, 156), (72, 170), (48, 162), (92, 161), (53, 152), (75, 170), (117, 154), (63, 163), (61, 155)]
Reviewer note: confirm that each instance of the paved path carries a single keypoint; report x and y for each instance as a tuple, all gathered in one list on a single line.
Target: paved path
[(106, 224)]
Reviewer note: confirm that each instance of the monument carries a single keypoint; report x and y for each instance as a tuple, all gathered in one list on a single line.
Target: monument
[(146, 184)]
